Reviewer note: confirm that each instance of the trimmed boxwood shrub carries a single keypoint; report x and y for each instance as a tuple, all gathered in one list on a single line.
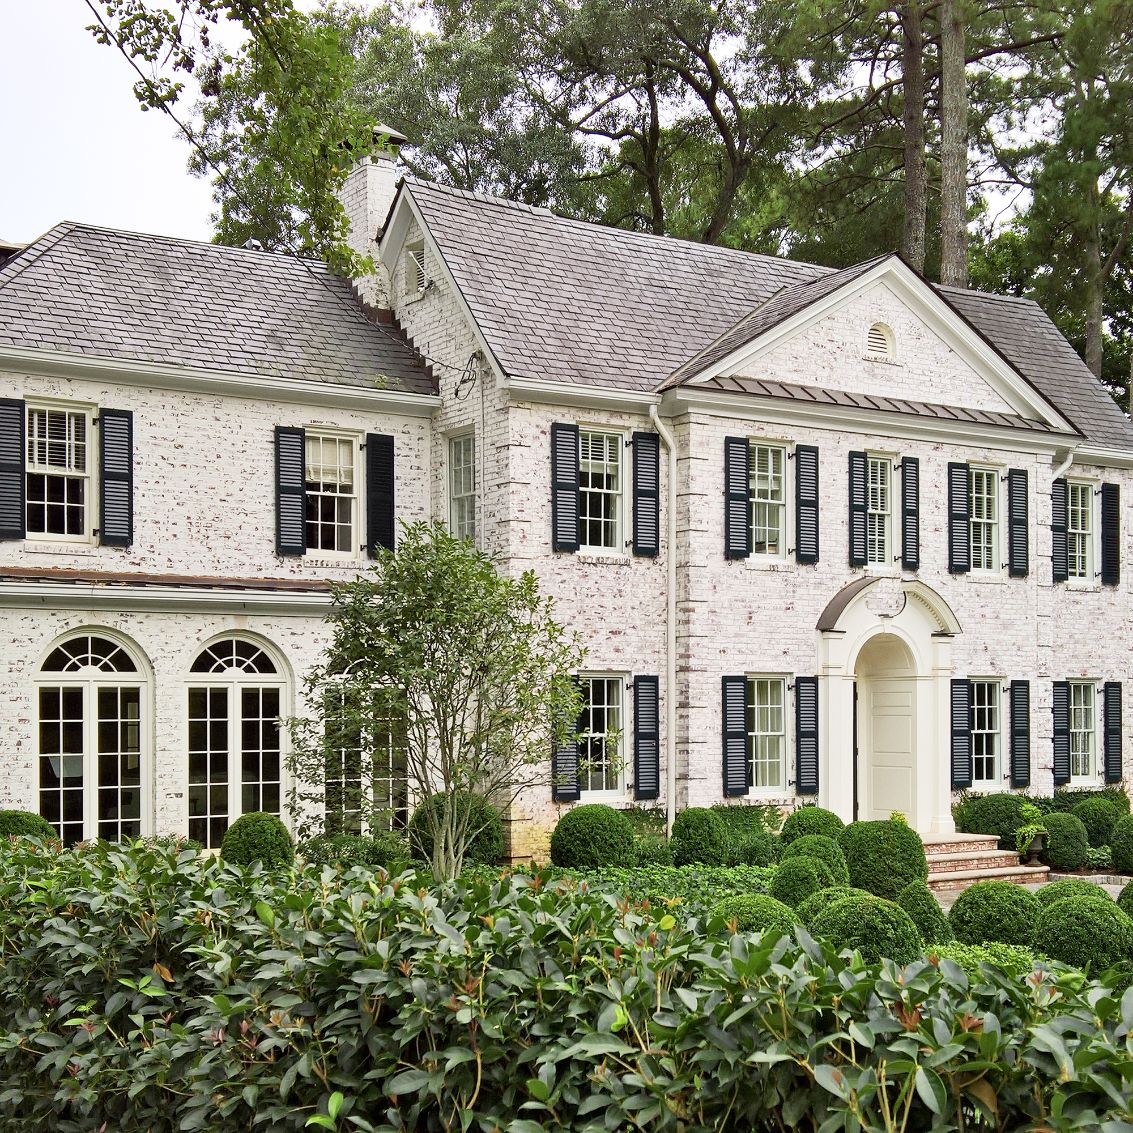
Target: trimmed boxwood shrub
[(1067, 846), (486, 848), (811, 820), (1090, 934), (1065, 800), (20, 823), (873, 926), (925, 912), (591, 836), (700, 837), (1098, 817), (1125, 900), (825, 849), (816, 902), (757, 848), (996, 814), (756, 912), (883, 857), (1070, 887), (1121, 842), (258, 837), (1011, 959), (995, 910), (797, 878)]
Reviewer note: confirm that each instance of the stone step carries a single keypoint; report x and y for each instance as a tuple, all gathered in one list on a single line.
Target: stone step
[(935, 844), (956, 880), (971, 859)]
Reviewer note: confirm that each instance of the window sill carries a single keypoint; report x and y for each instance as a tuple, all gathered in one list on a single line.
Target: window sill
[(766, 562), (322, 564), (1083, 587), (604, 797), (597, 558), (39, 548)]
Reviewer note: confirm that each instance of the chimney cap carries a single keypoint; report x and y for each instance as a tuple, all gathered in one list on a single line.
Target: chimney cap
[(388, 138)]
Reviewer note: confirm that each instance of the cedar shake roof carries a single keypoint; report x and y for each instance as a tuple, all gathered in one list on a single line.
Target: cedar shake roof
[(111, 294)]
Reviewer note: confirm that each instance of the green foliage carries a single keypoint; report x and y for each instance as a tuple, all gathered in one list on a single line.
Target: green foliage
[(995, 911), (1071, 887), (816, 902), (688, 890), (799, 878), (484, 844), (1098, 816), (652, 849), (883, 857), (925, 912), (811, 820), (20, 823), (700, 837), (825, 849), (645, 821), (591, 836), (756, 912), (258, 837), (1125, 899), (1090, 934), (757, 848), (388, 851), (872, 926), (1121, 843), (1101, 858), (1067, 845), (745, 819), (1011, 959), (998, 814)]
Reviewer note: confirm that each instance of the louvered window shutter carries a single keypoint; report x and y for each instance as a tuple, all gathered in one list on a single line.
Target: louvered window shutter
[(564, 487), (1018, 528), (646, 493), (1111, 740), (959, 516), (1020, 709), (806, 735), (646, 739), (290, 492), (1111, 534), (910, 513), (12, 481), (380, 494), (116, 477), (1060, 707), (1059, 557), (735, 735), (858, 503), (961, 734), (565, 787), (737, 498), (806, 504)]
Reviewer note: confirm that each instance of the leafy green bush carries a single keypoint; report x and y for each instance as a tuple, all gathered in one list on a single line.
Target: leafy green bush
[(385, 851), (756, 849), (741, 820), (811, 820), (925, 912), (816, 902), (797, 878), (1121, 843), (1065, 800), (883, 857), (1011, 959), (873, 926), (756, 912), (1100, 858), (591, 836), (995, 910), (1098, 817), (646, 821), (700, 837), (996, 814), (486, 846), (20, 823), (652, 849), (1125, 900), (258, 837), (1090, 934), (825, 849), (1071, 887), (690, 890), (1067, 845)]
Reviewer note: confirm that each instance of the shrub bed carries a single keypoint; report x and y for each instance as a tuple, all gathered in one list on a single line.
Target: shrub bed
[(872, 926), (486, 846), (756, 912), (995, 910), (798, 878), (1121, 843), (1067, 846), (258, 837), (700, 837), (811, 820), (1098, 816), (883, 857), (757, 848), (925, 912), (689, 890), (825, 849), (386, 851), (1071, 887), (1090, 934), (1010, 959)]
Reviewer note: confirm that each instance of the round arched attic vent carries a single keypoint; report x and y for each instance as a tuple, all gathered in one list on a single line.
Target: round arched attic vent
[(880, 342)]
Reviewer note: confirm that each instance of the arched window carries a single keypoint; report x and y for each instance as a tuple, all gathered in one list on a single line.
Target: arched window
[(93, 708), (880, 342), (235, 758)]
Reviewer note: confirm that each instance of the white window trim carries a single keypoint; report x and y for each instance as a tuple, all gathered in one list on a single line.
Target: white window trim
[(788, 450), (996, 782), (999, 541), (90, 517), (621, 549), (786, 787), (416, 278), (1090, 580), (1096, 777), (625, 751), (889, 563), (453, 439), (358, 533)]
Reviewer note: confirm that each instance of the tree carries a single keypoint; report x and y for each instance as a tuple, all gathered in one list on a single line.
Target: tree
[(470, 662)]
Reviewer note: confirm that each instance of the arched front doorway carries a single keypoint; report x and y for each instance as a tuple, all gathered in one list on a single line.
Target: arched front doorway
[(886, 779)]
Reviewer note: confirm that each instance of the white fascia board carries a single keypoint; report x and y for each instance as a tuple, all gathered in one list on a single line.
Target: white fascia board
[(937, 315), (589, 397), (189, 379), (1097, 455)]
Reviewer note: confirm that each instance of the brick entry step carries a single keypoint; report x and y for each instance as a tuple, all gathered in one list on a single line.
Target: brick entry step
[(956, 861)]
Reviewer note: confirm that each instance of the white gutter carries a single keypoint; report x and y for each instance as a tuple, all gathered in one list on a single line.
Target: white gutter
[(1057, 472), (670, 626)]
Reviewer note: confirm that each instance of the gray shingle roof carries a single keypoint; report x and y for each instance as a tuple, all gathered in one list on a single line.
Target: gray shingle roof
[(112, 294)]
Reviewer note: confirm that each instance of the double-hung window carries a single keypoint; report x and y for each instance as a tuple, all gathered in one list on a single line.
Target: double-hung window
[(984, 519), (1083, 730), (766, 732), (58, 469), (879, 510), (462, 486), (601, 735), (768, 500), (600, 491), (987, 739), (1080, 530), (331, 487)]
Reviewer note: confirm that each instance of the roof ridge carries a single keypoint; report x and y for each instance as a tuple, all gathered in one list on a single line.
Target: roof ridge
[(31, 253)]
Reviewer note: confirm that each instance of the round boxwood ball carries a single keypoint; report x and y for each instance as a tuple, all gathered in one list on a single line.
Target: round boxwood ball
[(797, 878), (1121, 842), (485, 848), (591, 836), (20, 823), (1098, 816), (1066, 845), (996, 814), (1086, 933), (700, 836), (825, 849), (258, 837), (1071, 887), (925, 912), (873, 926), (883, 857), (816, 902), (1125, 901), (756, 912), (811, 820), (995, 910)]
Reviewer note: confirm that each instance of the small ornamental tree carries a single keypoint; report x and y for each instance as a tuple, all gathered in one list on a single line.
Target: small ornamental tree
[(471, 665)]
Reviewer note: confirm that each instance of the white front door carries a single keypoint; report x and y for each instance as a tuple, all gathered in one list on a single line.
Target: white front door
[(888, 746)]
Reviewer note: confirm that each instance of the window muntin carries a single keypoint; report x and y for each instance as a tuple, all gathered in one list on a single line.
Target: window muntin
[(1080, 530), (1083, 730), (984, 522), (601, 732), (766, 731), (987, 739), (600, 491), (462, 486), (331, 483), (768, 500), (58, 473), (879, 509)]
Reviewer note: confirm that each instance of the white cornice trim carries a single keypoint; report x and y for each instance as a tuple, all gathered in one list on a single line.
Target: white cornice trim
[(86, 367), (591, 397), (1106, 457)]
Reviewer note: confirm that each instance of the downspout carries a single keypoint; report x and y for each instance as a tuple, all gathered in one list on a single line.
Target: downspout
[(1057, 472), (670, 625)]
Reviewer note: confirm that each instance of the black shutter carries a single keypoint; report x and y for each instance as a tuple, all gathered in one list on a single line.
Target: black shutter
[(1059, 561), (734, 719), (380, 525), (806, 504), (1111, 534), (961, 734), (806, 735), (12, 482), (564, 487), (116, 477), (565, 787), (959, 516), (1018, 528), (1111, 741), (1020, 709), (646, 494), (646, 739), (737, 498), (911, 513), (858, 505), (1060, 707), (290, 492)]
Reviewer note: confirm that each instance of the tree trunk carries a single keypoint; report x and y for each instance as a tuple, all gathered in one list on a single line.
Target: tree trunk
[(953, 147), (916, 179), (1095, 295)]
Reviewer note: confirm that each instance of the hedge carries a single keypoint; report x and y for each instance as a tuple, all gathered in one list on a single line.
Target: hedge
[(1011, 959), (995, 910), (387, 850), (700, 837), (1067, 847), (883, 857), (823, 899), (996, 814), (798, 878), (590, 836), (756, 912), (811, 820)]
